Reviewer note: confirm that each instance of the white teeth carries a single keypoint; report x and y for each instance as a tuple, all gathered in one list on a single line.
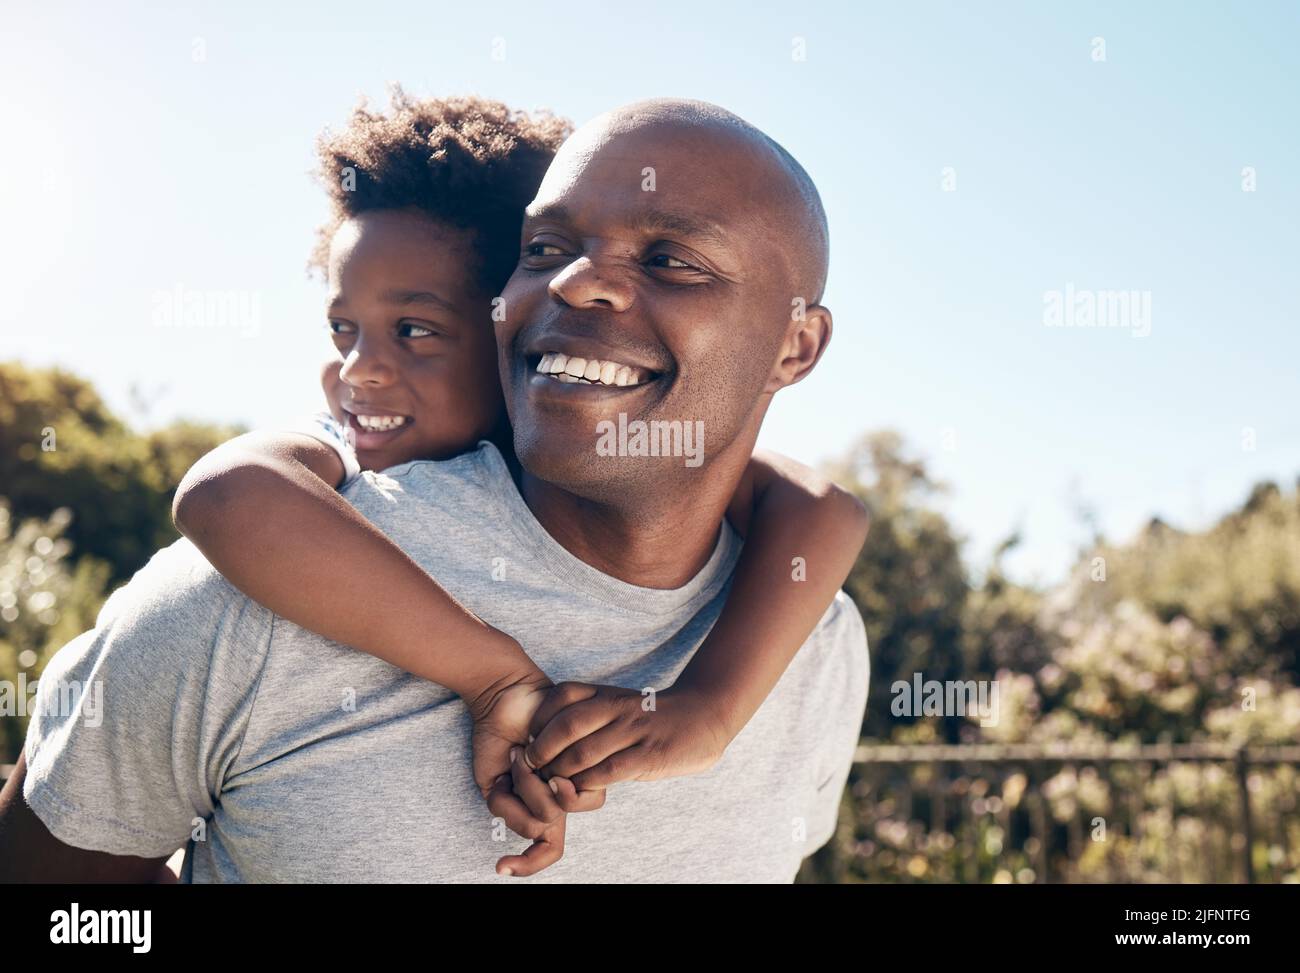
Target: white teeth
[(380, 423), (590, 371)]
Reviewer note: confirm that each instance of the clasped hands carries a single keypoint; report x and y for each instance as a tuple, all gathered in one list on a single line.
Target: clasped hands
[(542, 751)]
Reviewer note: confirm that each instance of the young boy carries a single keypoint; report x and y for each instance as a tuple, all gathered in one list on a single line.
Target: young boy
[(418, 246)]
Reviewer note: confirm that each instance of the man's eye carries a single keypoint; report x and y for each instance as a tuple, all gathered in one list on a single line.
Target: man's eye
[(670, 262), (409, 329)]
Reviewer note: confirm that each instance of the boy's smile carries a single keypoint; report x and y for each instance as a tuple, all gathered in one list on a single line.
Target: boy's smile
[(372, 428)]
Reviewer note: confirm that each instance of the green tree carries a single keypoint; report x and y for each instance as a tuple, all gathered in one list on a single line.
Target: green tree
[(46, 599), (1239, 581), (61, 447), (909, 582)]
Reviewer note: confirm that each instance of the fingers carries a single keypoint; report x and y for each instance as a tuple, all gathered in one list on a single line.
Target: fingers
[(587, 752), (624, 765), (533, 791), (574, 800), (567, 727), (491, 759), (542, 853), (538, 798), (561, 695), (538, 855), (504, 804)]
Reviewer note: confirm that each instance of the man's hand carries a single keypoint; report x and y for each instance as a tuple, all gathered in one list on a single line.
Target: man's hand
[(600, 735), (530, 806)]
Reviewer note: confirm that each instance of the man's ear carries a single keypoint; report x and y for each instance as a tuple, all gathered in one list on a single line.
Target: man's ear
[(806, 339)]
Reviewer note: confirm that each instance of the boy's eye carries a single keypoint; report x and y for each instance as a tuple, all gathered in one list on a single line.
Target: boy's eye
[(543, 250), (341, 327), (409, 329)]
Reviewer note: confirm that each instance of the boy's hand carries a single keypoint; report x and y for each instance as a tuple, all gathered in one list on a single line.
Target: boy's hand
[(530, 806), (600, 735)]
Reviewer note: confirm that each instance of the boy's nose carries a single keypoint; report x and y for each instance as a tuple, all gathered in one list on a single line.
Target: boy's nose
[(364, 368)]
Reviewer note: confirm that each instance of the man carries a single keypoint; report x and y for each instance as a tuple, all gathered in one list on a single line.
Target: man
[(670, 236)]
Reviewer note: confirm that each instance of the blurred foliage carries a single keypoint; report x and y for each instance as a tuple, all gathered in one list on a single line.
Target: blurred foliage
[(1142, 643), (1174, 637), (84, 502), (909, 582), (1133, 821), (1239, 582), (60, 447), (46, 600)]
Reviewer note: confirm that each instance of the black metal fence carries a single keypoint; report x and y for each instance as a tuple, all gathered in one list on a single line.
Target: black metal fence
[(991, 813)]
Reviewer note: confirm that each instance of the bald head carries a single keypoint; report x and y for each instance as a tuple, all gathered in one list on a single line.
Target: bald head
[(784, 198)]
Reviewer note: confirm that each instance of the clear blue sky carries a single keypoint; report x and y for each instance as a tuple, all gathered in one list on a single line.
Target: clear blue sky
[(130, 165)]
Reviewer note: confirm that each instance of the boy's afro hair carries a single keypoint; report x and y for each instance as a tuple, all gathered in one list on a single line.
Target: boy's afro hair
[(468, 162)]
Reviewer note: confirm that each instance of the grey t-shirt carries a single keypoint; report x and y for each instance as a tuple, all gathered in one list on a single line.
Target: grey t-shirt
[(192, 716)]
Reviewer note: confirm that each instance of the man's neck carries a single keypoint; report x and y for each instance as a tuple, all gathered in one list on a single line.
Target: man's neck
[(641, 541), (659, 534)]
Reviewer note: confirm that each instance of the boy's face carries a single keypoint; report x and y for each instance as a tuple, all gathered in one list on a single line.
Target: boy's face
[(415, 376)]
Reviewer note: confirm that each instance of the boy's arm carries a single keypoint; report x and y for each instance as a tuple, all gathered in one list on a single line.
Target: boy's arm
[(804, 535), (263, 510)]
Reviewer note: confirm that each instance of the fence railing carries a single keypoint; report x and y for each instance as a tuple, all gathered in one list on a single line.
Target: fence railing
[(1024, 813)]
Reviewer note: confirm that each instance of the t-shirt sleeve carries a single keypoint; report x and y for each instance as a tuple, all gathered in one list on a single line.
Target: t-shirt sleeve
[(841, 702), (138, 721), (324, 427)]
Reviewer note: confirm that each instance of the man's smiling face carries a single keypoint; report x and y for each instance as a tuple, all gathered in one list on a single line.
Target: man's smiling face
[(679, 295)]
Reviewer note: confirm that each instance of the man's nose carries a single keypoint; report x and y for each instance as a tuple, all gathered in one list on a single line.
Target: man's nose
[(367, 365), (587, 283)]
